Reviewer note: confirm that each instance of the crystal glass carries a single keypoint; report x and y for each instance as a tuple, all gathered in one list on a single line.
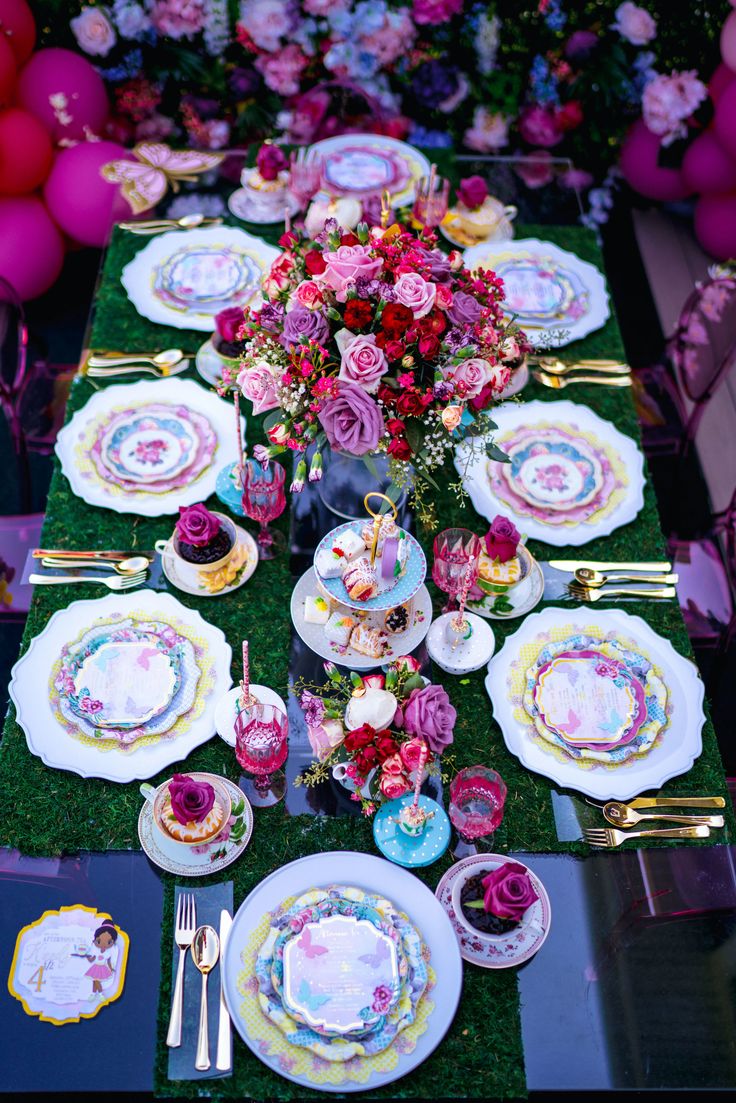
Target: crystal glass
[(431, 199), (261, 747), (305, 174), (453, 548), (263, 501), (477, 798)]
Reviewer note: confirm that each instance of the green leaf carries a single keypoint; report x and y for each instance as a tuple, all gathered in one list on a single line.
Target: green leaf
[(371, 465), (495, 453), (414, 434), (478, 905), (238, 807)]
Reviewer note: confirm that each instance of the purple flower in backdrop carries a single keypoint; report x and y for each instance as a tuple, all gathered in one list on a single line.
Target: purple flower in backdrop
[(352, 420), (465, 309), (433, 83), (244, 82), (301, 322), (580, 45)]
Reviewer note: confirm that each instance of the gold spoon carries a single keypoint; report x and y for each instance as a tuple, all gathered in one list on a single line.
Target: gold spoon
[(205, 952), (166, 359), (559, 382), (132, 565), (588, 577), (622, 816), (156, 225)]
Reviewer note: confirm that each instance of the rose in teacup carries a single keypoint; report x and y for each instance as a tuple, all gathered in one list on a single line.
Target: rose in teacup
[(191, 800), (196, 525), (270, 161), (508, 891), (502, 539), (228, 322), (472, 192)]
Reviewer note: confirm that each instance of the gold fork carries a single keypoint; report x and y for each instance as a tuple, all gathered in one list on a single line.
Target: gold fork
[(557, 382), (553, 366), (608, 837), (582, 593)]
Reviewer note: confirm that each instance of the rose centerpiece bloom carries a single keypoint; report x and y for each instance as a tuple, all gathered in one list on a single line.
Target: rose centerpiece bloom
[(495, 901), (200, 536), (191, 800)]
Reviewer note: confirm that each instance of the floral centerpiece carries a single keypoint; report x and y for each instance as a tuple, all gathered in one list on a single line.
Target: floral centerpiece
[(381, 728), (376, 342)]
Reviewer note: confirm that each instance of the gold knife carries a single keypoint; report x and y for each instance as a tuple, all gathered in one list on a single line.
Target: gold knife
[(224, 1035), (573, 564)]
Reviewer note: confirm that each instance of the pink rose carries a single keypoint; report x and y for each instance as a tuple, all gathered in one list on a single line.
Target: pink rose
[(267, 21), (539, 127), (535, 169), (411, 754), (271, 160), (489, 132), (282, 71), (451, 417), (392, 787), (258, 384), (414, 291), (444, 296), (469, 376), (191, 800), (668, 101), (432, 12), (343, 267), (279, 276), (196, 525), (510, 349), (407, 663), (393, 766), (362, 362), (324, 737), (499, 379), (509, 891), (179, 18), (94, 32), (307, 294), (634, 24), (502, 539), (472, 192), (229, 321)]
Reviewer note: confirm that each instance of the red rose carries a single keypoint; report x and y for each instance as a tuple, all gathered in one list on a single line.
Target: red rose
[(429, 346), (569, 116), (395, 426), (358, 313), (394, 349), (314, 262), (360, 737), (412, 404), (396, 318), (386, 746), (386, 395), (349, 239), (288, 240), (399, 449), (435, 322)]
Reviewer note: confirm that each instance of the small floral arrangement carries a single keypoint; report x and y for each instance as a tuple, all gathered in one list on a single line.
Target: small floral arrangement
[(472, 192), (376, 341), (502, 539), (383, 728), (494, 902)]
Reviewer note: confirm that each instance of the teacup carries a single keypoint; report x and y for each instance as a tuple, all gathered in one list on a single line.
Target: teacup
[(171, 547), (530, 920), (181, 849), (481, 223), (521, 587)]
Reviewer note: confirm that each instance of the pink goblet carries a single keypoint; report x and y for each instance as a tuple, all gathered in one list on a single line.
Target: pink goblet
[(431, 200), (261, 747), (263, 501), (453, 550), (305, 175), (477, 798)]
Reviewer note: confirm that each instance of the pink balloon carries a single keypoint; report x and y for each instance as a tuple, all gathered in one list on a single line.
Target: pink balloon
[(17, 22), (25, 152), (707, 168), (81, 202), (65, 92), (31, 247), (639, 166), (728, 41), (724, 120), (720, 81), (715, 225), (8, 71)]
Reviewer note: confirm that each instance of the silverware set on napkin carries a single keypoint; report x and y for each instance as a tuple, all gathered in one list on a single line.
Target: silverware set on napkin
[(129, 569), (558, 374), (105, 365), (625, 816), (147, 227), (599, 581), (206, 948)]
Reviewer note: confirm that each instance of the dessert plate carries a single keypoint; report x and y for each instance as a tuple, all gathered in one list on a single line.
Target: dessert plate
[(553, 472), (149, 448), (387, 598), (368, 164), (126, 682)]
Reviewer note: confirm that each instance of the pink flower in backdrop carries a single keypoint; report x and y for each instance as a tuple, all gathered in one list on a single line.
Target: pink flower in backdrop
[(432, 12), (391, 40), (324, 7), (93, 31), (490, 131), (155, 129), (539, 127), (258, 384), (282, 70), (536, 168), (669, 100), (267, 22), (414, 291), (576, 178), (179, 18), (634, 24)]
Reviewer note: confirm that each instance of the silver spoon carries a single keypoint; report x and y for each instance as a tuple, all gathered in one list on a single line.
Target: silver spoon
[(156, 225), (166, 359), (589, 577), (132, 565), (622, 816), (205, 952)]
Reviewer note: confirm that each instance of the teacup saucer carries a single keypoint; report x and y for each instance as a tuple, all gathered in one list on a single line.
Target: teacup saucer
[(518, 945), (502, 231), (404, 850), (245, 207), (210, 857), (225, 710), (186, 578), (208, 363)]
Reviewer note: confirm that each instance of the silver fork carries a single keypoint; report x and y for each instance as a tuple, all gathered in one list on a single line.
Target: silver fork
[(608, 837), (116, 583), (186, 925)]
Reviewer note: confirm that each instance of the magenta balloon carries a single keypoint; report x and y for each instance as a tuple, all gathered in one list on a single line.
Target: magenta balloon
[(720, 81), (65, 92), (17, 23), (83, 204), (31, 247), (707, 168), (639, 166), (724, 120), (715, 225), (728, 41)]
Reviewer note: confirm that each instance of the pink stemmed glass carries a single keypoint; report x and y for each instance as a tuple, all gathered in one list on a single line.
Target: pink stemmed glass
[(305, 176), (453, 549), (261, 747), (477, 798), (431, 200), (263, 501)]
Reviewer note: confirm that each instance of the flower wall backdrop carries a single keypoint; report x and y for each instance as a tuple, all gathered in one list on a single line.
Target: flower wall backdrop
[(505, 76)]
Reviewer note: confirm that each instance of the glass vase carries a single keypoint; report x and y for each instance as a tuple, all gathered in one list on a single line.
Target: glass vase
[(347, 479)]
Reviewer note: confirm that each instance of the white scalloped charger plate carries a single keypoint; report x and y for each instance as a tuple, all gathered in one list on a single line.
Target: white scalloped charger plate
[(676, 749), (346, 867), (511, 416), (86, 481), (48, 739)]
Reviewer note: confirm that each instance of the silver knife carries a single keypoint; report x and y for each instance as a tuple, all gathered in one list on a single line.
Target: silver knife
[(573, 564), (224, 1036)]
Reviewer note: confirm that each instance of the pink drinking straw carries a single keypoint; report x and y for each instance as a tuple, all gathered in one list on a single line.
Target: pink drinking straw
[(420, 770), (459, 618), (238, 437), (245, 697)]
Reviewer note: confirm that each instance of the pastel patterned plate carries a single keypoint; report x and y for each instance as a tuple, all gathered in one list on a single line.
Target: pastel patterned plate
[(609, 702), (367, 164), (554, 474), (405, 589), (206, 278), (126, 682), (149, 447), (511, 949)]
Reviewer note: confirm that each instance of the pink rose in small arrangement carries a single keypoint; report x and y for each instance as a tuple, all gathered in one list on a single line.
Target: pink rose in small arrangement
[(472, 192), (377, 342), (502, 539), (494, 901), (271, 160), (200, 536), (226, 338), (380, 760), (191, 800)]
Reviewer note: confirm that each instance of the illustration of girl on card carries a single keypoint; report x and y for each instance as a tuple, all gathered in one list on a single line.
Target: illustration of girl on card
[(104, 956)]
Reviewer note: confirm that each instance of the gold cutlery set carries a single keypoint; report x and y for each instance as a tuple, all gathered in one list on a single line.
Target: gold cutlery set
[(599, 581), (105, 365), (147, 227), (206, 948), (558, 374), (129, 568), (627, 815)]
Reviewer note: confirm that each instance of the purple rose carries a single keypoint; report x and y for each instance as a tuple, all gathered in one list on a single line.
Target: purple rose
[(301, 322), (190, 800), (429, 714), (363, 362), (271, 316), (440, 268), (228, 322), (509, 891), (270, 161), (352, 420), (472, 192), (196, 525), (433, 83), (502, 539), (465, 309)]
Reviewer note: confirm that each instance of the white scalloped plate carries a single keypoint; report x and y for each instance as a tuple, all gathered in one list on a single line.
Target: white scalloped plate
[(673, 753)]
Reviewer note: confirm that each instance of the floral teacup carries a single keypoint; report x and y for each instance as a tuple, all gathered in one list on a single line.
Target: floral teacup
[(530, 919), (171, 547), (179, 848)]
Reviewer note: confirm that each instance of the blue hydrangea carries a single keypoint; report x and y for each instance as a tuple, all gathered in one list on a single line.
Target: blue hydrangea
[(358, 63), (554, 16), (543, 82), (430, 139), (129, 67)]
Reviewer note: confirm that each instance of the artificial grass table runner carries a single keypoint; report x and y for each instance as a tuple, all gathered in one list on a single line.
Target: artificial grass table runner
[(482, 1055)]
